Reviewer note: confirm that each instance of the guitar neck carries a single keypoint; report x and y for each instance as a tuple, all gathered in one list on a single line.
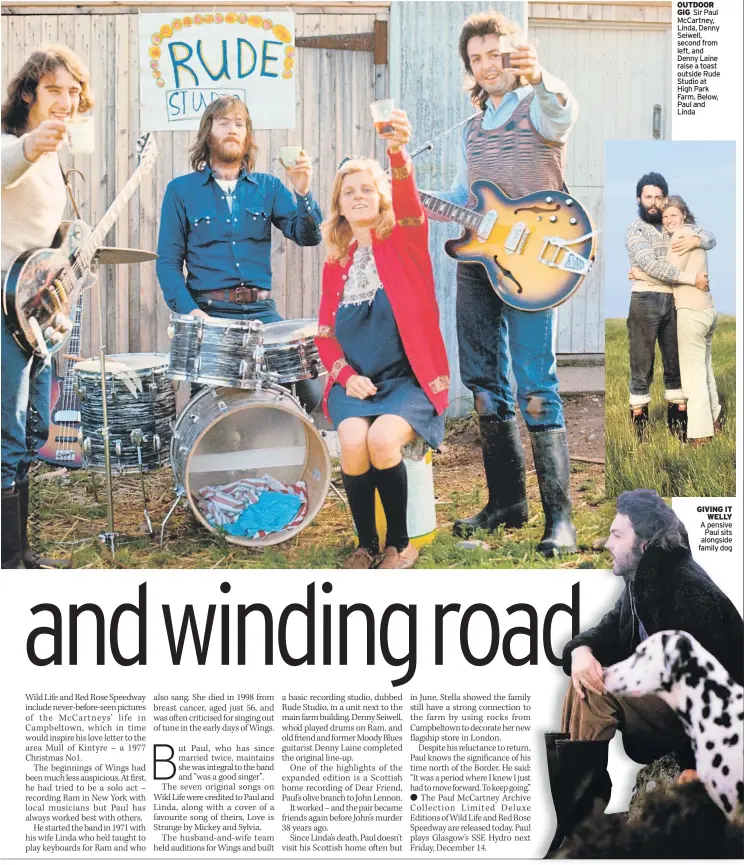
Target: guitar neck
[(73, 348), (462, 215), (89, 249)]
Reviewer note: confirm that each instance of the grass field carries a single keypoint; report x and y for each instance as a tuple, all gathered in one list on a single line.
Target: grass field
[(663, 463), (67, 518)]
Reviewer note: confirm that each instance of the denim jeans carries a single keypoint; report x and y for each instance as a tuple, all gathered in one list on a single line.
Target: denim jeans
[(26, 395), (494, 339), (310, 391), (652, 316)]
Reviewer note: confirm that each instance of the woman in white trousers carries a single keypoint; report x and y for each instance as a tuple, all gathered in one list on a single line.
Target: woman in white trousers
[(696, 321)]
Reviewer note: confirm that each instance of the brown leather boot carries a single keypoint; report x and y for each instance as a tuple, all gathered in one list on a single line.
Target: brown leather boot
[(30, 558)]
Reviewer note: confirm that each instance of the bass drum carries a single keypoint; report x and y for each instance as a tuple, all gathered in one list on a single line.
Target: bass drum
[(225, 435)]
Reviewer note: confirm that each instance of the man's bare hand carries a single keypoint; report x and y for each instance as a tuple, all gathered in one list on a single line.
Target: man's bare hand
[(682, 245), (198, 313), (701, 282), (586, 672), (524, 61), (301, 173), (48, 137), (360, 386)]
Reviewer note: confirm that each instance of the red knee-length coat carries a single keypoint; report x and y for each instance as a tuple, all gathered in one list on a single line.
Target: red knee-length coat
[(404, 267)]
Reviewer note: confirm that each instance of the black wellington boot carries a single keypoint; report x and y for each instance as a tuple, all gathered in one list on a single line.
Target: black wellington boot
[(30, 558), (551, 754), (11, 531), (503, 460), (639, 418), (582, 779), (677, 420), (553, 467)]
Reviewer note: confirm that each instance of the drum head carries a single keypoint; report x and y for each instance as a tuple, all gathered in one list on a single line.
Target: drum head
[(287, 331), (135, 362), (225, 323), (252, 434)]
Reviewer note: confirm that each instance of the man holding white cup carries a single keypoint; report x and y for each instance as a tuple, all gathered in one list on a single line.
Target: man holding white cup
[(51, 89), (217, 221)]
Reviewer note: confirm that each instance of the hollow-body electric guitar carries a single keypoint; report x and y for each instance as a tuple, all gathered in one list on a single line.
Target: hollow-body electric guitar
[(42, 285), (536, 249)]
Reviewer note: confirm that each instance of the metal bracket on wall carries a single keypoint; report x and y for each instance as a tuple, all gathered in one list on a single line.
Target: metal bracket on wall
[(376, 42)]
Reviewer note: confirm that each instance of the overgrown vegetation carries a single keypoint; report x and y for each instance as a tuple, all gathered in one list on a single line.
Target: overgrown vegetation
[(663, 463)]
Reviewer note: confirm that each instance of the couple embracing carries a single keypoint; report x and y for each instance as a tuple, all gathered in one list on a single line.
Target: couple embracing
[(671, 302)]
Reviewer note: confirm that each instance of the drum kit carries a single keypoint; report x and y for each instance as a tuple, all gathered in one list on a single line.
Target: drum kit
[(245, 422)]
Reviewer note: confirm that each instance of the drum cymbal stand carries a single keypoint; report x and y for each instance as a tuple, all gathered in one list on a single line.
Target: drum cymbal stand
[(137, 439), (109, 536)]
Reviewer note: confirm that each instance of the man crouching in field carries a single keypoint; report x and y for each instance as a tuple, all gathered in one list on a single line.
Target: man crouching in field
[(664, 590)]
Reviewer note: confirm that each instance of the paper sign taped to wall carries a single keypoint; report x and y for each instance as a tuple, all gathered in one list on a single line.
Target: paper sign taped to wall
[(188, 60)]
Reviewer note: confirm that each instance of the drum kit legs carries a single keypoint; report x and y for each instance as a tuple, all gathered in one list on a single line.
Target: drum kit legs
[(249, 423)]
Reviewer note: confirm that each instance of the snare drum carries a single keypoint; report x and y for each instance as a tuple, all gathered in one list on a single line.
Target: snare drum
[(225, 435), (289, 348), (141, 405), (217, 351)]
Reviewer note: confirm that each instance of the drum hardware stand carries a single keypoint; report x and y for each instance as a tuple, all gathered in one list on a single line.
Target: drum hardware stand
[(180, 493), (109, 536), (137, 439)]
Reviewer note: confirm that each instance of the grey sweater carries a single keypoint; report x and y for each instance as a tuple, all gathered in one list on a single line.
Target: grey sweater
[(33, 199)]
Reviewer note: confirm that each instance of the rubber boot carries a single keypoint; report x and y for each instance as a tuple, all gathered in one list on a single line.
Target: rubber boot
[(639, 418), (30, 558), (503, 460), (11, 530), (677, 420), (551, 754), (553, 467), (582, 780)]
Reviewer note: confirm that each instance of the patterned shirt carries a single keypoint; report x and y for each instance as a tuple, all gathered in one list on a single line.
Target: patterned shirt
[(648, 247)]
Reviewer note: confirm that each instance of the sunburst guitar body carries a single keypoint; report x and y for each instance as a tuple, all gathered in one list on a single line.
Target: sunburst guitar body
[(536, 250)]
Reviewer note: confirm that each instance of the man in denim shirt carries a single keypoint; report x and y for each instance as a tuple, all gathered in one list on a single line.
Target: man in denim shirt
[(517, 141), (217, 220)]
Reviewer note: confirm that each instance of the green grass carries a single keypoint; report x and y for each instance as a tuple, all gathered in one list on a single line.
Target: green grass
[(663, 463), (67, 521)]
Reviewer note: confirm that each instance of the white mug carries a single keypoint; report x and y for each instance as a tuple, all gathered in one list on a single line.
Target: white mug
[(289, 155), (81, 136)]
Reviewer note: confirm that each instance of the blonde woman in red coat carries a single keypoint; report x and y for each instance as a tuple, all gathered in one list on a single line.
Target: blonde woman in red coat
[(379, 339)]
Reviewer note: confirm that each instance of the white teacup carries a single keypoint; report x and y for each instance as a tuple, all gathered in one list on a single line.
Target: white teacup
[(81, 136), (289, 155)]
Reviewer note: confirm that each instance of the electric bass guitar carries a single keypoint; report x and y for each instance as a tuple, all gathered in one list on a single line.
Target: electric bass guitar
[(536, 250), (63, 446), (42, 285)]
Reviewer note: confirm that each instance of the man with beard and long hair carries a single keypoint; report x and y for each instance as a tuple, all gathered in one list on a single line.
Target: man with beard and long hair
[(217, 221), (652, 314), (517, 140), (665, 589)]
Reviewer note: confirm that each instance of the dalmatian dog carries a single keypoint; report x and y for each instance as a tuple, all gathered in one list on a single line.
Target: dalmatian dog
[(707, 701)]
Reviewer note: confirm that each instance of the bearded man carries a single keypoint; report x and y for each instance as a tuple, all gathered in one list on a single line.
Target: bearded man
[(217, 221), (517, 140), (664, 590), (652, 314)]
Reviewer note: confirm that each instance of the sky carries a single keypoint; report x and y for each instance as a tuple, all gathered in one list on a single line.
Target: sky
[(703, 173)]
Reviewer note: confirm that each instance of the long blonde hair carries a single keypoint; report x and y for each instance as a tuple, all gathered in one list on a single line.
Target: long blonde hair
[(336, 230)]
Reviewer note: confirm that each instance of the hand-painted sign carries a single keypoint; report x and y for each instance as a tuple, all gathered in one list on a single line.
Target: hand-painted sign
[(189, 60)]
